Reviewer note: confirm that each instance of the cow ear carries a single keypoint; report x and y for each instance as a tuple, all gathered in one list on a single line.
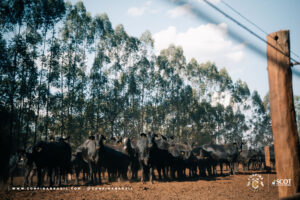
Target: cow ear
[(143, 135)]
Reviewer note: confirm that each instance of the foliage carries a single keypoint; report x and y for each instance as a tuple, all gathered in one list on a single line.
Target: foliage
[(49, 87)]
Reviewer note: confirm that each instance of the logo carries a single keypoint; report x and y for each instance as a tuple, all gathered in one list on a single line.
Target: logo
[(282, 182), (255, 181)]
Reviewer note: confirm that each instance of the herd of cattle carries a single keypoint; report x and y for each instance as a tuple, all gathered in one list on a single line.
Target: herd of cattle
[(124, 156)]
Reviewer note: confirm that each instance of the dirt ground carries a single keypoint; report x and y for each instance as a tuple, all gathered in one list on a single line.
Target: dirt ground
[(219, 187)]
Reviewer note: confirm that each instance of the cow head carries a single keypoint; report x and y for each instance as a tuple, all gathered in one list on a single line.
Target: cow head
[(39, 147), (151, 140), (239, 146)]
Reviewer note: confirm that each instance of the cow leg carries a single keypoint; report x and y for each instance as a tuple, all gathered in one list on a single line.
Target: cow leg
[(108, 175), (190, 171), (125, 173), (132, 170), (11, 179), (221, 167), (99, 174), (31, 175), (83, 175), (91, 173), (77, 172), (26, 175), (172, 172), (136, 170), (165, 172), (39, 177), (209, 170), (59, 175), (159, 172), (94, 180), (50, 173), (103, 172), (231, 165), (142, 175), (151, 174)]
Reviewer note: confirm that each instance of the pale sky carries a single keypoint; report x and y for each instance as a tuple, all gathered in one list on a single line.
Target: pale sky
[(206, 41)]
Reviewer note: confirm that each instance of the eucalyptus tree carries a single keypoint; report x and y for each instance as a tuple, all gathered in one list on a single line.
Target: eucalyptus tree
[(122, 55), (12, 20), (144, 73), (260, 133), (171, 63), (75, 35), (100, 32), (21, 26)]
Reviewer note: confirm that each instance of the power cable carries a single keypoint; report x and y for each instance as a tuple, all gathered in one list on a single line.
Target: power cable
[(197, 11), (252, 23), (245, 28)]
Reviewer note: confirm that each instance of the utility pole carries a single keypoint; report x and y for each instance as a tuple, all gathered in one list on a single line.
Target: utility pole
[(286, 141)]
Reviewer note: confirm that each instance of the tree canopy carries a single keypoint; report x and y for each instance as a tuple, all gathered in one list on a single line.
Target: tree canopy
[(65, 72)]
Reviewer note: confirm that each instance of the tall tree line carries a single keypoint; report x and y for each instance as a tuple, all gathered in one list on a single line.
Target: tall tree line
[(65, 72)]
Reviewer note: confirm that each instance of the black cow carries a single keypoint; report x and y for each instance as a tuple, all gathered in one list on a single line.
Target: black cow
[(14, 165), (79, 165), (151, 156), (52, 156), (226, 153), (181, 159), (29, 166), (204, 161), (112, 160), (246, 158), (131, 149)]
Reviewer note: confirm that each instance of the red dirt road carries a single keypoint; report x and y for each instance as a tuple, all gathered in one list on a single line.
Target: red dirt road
[(222, 187)]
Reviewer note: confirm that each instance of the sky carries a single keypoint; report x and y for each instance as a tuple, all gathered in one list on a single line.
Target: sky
[(211, 40)]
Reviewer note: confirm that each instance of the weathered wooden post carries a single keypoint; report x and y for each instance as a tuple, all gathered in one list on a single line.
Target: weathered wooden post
[(286, 141)]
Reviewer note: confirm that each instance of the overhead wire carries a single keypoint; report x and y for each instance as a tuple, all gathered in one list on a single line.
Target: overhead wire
[(196, 10), (252, 23), (245, 28)]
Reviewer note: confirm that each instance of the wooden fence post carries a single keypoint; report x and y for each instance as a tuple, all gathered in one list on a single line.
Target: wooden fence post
[(286, 141)]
